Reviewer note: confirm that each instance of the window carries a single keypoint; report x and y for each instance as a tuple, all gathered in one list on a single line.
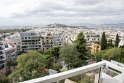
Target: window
[(25, 37), (1, 48), (1, 52)]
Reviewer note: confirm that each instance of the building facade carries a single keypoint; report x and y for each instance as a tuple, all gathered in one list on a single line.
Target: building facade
[(7, 52), (95, 48), (92, 37), (40, 40), (2, 53)]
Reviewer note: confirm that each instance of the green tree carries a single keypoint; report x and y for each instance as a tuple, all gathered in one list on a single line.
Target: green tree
[(111, 54), (30, 65), (80, 44), (99, 55), (110, 44), (117, 40), (54, 53), (103, 42), (57, 66), (54, 60), (10, 63), (69, 55)]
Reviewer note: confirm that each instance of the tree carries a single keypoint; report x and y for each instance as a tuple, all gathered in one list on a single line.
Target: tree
[(111, 54), (99, 55), (57, 66), (117, 40), (69, 55), (54, 60), (9, 64), (103, 42), (54, 53), (30, 65), (80, 44), (110, 44)]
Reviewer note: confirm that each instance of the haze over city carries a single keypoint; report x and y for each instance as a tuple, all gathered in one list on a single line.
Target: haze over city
[(42, 12)]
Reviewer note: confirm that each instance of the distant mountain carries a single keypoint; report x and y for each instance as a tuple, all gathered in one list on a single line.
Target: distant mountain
[(57, 25)]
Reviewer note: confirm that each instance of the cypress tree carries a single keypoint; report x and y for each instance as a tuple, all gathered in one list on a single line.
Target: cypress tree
[(103, 42), (117, 40), (80, 44)]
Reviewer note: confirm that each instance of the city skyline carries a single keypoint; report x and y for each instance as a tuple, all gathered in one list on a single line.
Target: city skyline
[(42, 12)]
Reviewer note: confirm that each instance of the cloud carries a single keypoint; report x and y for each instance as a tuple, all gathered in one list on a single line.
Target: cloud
[(47, 11)]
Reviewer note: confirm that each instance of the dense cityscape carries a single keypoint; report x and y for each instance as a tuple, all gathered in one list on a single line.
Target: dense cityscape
[(56, 47), (61, 41)]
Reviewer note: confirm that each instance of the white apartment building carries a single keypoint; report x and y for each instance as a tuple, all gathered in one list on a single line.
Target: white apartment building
[(2, 53), (58, 39), (61, 39), (7, 52), (121, 43), (16, 39), (41, 39), (92, 37), (30, 41)]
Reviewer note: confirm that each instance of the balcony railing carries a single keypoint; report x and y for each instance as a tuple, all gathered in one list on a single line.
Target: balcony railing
[(101, 77)]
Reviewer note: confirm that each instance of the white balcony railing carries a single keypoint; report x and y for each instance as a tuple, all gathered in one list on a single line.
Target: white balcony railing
[(102, 77)]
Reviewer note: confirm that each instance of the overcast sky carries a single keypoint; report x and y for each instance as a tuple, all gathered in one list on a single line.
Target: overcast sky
[(39, 12)]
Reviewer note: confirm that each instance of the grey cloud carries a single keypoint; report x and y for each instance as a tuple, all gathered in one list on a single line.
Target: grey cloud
[(87, 2), (103, 10)]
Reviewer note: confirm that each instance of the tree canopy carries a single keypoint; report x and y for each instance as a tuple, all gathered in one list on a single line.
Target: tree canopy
[(80, 44), (111, 54), (54, 53), (117, 40), (103, 42), (30, 65), (69, 55), (54, 58)]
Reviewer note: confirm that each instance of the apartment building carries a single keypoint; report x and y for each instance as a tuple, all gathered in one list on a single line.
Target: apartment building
[(92, 37), (60, 39), (47, 41), (121, 43), (95, 48), (16, 39), (40, 39), (30, 41), (7, 53), (2, 53)]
